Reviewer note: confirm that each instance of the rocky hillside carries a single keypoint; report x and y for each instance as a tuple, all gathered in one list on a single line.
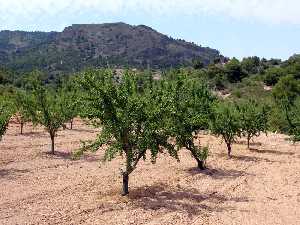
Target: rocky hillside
[(80, 46)]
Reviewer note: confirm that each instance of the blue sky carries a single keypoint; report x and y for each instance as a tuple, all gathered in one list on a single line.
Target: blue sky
[(240, 28)]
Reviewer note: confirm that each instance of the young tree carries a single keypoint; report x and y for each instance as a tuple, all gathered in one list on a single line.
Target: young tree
[(253, 119), (69, 102), (225, 123), (129, 116), (5, 114), (21, 101), (189, 104), (46, 107)]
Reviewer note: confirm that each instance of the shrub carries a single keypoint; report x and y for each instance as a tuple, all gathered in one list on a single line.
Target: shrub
[(286, 94), (272, 75)]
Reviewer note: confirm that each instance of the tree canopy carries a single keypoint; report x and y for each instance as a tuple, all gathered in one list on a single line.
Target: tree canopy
[(129, 115)]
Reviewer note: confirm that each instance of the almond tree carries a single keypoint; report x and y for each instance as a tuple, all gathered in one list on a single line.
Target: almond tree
[(5, 114), (253, 119), (225, 122), (45, 107), (69, 102), (189, 104), (129, 117), (21, 102)]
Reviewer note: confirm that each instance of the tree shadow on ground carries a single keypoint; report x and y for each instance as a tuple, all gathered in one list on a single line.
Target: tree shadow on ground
[(252, 159), (242, 142), (247, 158), (12, 173), (66, 155), (217, 173), (33, 134), (271, 152), (190, 201), (84, 130), (59, 154)]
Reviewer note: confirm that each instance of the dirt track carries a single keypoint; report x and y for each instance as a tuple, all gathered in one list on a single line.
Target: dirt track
[(261, 186)]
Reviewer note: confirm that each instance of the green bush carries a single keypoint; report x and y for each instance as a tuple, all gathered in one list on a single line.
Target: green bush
[(286, 94)]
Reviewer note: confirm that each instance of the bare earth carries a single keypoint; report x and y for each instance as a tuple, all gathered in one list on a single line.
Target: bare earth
[(261, 186)]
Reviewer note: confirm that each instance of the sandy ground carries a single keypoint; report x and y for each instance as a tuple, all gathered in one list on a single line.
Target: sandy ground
[(261, 186)]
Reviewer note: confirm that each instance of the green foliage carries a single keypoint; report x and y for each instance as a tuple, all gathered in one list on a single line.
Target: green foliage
[(287, 90), (217, 75), (250, 88), (251, 65), (69, 100), (237, 93), (234, 71), (6, 76), (129, 115), (295, 120), (198, 64), (286, 94), (253, 119), (5, 114), (277, 120), (189, 105), (272, 75), (225, 122), (21, 101), (45, 106)]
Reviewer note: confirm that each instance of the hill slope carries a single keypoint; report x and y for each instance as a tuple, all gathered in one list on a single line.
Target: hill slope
[(79, 46)]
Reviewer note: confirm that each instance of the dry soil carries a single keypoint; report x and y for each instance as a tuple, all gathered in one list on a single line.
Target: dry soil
[(257, 186)]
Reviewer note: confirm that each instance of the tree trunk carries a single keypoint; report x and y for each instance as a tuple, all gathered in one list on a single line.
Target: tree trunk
[(52, 143), (22, 125), (125, 190), (200, 163), (229, 149), (248, 142), (71, 123)]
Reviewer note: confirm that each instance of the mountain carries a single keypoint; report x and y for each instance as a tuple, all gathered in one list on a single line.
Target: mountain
[(96, 45)]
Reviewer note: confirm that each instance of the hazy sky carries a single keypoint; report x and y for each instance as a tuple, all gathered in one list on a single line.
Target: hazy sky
[(267, 28)]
